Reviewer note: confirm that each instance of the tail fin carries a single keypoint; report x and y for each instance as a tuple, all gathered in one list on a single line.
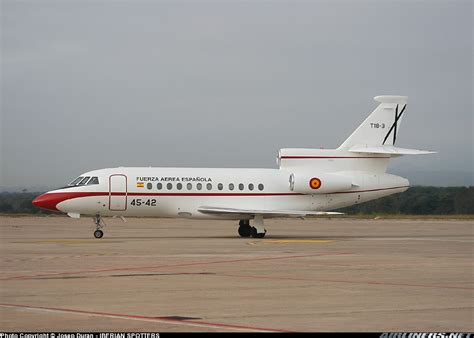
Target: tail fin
[(369, 148), (382, 126)]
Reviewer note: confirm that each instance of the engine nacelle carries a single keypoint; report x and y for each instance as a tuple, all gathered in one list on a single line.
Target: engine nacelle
[(319, 183)]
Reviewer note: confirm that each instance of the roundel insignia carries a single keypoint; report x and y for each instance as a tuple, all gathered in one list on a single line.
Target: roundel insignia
[(315, 183)]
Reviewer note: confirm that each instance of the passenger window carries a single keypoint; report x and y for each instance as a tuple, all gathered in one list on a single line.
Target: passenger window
[(93, 180), (241, 186), (149, 186), (77, 180), (159, 186), (189, 186), (220, 186), (231, 186), (250, 186), (169, 186), (209, 186), (84, 180), (260, 187), (199, 186), (179, 186)]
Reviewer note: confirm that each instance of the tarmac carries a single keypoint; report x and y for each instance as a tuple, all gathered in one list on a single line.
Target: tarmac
[(163, 275)]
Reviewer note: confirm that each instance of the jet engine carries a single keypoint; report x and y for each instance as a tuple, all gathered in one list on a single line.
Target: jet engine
[(319, 183)]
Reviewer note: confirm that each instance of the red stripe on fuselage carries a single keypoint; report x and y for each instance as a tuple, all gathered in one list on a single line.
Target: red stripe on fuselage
[(327, 157)]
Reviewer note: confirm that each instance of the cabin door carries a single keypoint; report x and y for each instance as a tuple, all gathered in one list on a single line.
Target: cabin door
[(117, 192)]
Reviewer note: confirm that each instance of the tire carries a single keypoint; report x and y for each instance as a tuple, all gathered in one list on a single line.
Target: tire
[(245, 231), (257, 235), (98, 234)]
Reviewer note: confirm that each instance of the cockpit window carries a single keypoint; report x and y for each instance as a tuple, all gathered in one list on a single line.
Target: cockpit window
[(77, 180), (93, 180), (84, 180)]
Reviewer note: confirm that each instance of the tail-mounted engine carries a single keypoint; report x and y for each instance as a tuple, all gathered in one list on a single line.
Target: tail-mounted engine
[(319, 183)]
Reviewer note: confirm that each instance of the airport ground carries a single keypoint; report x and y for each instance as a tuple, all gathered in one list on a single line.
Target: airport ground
[(186, 275)]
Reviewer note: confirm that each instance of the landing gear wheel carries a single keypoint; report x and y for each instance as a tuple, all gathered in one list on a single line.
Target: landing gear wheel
[(245, 231), (99, 224), (98, 234), (257, 235)]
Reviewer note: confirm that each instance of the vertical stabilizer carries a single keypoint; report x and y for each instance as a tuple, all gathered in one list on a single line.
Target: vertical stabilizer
[(382, 125)]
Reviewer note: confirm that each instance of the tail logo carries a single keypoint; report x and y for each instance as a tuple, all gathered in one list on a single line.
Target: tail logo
[(394, 125)]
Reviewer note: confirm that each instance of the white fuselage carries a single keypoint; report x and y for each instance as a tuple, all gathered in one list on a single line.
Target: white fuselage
[(180, 192)]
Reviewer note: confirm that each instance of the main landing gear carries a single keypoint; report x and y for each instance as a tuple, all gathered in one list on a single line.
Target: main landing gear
[(98, 233), (256, 230)]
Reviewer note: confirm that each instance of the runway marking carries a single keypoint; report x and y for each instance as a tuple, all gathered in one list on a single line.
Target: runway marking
[(291, 241), (417, 239), (252, 259), (132, 275), (66, 241), (163, 319), (344, 281)]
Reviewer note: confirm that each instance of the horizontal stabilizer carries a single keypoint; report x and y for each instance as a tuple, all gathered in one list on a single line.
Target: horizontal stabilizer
[(389, 150), (269, 213)]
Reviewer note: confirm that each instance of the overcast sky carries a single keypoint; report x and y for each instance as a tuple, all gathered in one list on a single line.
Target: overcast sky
[(94, 84)]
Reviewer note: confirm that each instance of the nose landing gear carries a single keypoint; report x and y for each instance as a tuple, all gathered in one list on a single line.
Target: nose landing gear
[(98, 233)]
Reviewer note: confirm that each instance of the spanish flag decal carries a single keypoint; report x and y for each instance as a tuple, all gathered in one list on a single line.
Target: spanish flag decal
[(140, 184)]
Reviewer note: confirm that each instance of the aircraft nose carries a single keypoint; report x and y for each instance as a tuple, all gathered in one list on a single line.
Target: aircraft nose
[(46, 201)]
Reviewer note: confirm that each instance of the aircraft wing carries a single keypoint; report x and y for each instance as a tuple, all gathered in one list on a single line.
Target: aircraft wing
[(272, 213)]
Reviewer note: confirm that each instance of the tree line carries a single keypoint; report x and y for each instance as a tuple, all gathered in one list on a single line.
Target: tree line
[(421, 201), (414, 201)]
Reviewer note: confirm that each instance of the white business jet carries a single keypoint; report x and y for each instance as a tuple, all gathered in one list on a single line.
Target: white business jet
[(308, 182)]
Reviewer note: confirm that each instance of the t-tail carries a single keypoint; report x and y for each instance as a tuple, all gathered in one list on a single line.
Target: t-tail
[(360, 163), (368, 148), (378, 133)]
